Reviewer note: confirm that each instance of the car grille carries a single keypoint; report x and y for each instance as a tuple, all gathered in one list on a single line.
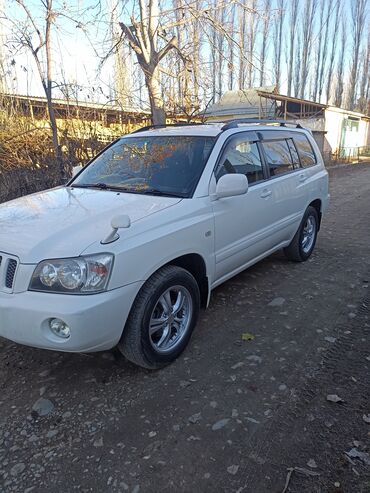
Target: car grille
[(8, 269)]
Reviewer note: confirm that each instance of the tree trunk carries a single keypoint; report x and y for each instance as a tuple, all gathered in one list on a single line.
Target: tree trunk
[(265, 38), (333, 48), (292, 40), (307, 32), (230, 65), (358, 22), (242, 41), (54, 132), (48, 92), (196, 34), (340, 70), (365, 79), (278, 38), (313, 93), (297, 66), (325, 50), (220, 55), (155, 97), (252, 28)]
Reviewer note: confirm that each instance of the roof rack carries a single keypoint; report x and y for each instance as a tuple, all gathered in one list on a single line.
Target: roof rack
[(150, 127), (237, 121)]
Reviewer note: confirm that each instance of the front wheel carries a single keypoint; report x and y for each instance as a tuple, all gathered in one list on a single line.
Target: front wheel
[(303, 243), (162, 318)]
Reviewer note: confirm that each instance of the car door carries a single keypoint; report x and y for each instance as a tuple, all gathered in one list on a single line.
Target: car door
[(286, 182), (242, 223)]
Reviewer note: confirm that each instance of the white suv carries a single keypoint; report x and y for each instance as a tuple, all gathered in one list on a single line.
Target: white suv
[(130, 249)]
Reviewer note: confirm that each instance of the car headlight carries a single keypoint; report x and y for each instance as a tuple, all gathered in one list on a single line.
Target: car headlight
[(80, 275)]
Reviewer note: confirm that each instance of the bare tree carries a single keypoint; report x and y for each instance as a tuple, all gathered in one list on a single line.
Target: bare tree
[(220, 52), (37, 39), (242, 31), (358, 23), (364, 93), (278, 39), (265, 39), (180, 33), (340, 69), (231, 50), (151, 35), (150, 44), (196, 56), (307, 32), (252, 24), (293, 15), (297, 65), (333, 48), (319, 40), (322, 50)]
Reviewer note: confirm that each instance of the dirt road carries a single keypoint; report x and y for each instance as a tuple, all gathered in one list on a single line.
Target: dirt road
[(231, 415)]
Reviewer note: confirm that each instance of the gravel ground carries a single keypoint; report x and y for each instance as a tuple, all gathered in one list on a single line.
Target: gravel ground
[(234, 413)]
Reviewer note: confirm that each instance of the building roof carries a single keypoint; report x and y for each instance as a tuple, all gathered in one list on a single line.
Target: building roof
[(263, 102), (243, 102), (355, 114), (74, 104), (282, 97)]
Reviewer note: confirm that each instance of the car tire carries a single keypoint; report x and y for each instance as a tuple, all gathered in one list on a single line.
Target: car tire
[(158, 329), (304, 241)]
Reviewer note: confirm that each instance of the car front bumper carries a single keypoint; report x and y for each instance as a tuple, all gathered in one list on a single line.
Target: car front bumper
[(96, 321)]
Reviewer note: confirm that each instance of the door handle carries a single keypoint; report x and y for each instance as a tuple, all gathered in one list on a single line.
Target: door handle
[(266, 193), (302, 178)]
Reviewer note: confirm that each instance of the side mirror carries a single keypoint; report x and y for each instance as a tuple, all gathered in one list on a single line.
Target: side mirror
[(231, 185), (122, 221), (117, 222)]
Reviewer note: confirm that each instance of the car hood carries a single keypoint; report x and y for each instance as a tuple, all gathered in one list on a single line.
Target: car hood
[(63, 222)]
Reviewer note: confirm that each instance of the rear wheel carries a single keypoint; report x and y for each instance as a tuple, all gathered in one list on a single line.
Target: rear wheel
[(303, 243), (162, 318)]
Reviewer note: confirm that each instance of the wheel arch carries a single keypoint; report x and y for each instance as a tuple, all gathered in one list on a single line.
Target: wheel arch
[(195, 264), (317, 204)]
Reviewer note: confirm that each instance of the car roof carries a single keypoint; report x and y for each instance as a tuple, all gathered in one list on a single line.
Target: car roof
[(205, 130), (211, 129)]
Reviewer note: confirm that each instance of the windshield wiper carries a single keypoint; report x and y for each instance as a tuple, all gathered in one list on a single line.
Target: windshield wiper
[(149, 191), (155, 191), (100, 186)]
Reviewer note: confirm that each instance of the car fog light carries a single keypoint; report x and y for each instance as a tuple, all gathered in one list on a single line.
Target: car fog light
[(59, 328)]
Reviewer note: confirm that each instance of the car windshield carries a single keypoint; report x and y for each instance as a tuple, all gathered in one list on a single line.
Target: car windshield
[(169, 165)]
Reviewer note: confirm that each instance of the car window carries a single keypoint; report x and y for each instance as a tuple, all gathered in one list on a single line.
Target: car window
[(278, 156), (241, 156), (305, 150), (153, 164)]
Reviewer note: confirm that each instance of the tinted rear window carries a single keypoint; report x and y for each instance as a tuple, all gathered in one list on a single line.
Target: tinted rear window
[(278, 157), (305, 151)]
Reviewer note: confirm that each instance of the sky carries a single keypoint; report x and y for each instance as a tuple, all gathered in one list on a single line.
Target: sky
[(78, 56)]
